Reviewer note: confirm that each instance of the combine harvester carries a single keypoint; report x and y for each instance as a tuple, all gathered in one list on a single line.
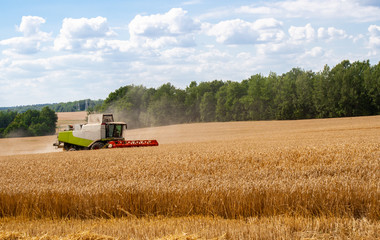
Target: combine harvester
[(100, 132)]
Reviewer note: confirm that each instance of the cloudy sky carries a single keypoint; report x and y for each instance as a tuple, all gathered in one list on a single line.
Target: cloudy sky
[(58, 51)]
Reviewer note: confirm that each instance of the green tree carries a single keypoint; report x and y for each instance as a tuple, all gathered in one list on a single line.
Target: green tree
[(305, 107), (221, 110), (48, 119), (320, 95), (6, 118), (192, 102), (195, 98), (347, 93), (258, 103), (208, 107), (32, 123), (167, 106), (285, 98), (372, 88), (38, 129)]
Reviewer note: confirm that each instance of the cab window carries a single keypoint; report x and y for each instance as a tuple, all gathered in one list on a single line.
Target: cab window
[(110, 130), (117, 131)]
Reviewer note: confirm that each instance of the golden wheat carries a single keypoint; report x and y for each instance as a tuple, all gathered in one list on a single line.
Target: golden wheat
[(194, 227), (309, 169), (307, 173)]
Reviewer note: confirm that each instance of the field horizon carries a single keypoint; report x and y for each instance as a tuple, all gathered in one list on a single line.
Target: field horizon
[(195, 132)]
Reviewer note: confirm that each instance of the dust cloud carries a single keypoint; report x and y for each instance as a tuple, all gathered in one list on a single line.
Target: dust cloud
[(27, 145)]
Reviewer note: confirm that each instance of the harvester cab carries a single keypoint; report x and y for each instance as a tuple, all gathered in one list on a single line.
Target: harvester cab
[(101, 131)]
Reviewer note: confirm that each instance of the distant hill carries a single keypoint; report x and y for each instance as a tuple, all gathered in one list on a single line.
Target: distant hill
[(80, 105)]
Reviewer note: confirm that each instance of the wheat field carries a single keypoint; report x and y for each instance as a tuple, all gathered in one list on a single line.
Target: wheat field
[(305, 179)]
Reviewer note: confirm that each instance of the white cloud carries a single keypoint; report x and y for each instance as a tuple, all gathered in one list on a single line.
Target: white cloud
[(192, 2), (351, 10), (270, 30), (300, 34), (261, 10), (280, 49), (314, 58), (32, 40), (315, 52), (331, 33), (374, 40), (374, 36), (45, 79), (173, 28), (30, 25), (178, 53), (234, 31), (356, 39), (119, 45), (21, 45), (83, 28), (267, 23), (175, 47), (238, 31), (82, 33)]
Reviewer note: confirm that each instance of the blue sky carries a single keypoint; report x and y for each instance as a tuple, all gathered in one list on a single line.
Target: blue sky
[(58, 51)]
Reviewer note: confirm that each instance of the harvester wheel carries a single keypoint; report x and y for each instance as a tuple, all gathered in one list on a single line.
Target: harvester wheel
[(66, 147), (97, 145)]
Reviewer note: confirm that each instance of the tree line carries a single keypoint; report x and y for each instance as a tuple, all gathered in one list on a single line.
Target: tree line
[(348, 89), (74, 106), (29, 123)]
